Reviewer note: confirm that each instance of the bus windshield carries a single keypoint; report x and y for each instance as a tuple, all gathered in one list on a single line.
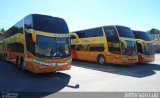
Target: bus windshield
[(142, 35), (52, 47), (49, 24), (125, 32), (148, 49), (131, 49)]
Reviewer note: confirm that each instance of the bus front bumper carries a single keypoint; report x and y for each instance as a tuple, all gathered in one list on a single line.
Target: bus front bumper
[(41, 67), (146, 58), (129, 60)]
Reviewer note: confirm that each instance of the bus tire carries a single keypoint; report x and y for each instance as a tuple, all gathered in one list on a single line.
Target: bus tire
[(21, 64), (101, 60), (3, 57), (6, 58), (17, 60)]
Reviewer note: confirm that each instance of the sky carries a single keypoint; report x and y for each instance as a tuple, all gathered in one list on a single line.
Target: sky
[(83, 14)]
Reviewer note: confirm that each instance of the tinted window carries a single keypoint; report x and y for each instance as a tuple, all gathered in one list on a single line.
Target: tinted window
[(125, 32), (112, 39), (96, 32), (139, 48), (142, 35), (81, 47), (111, 34), (30, 45), (16, 47), (91, 47), (96, 48), (52, 47), (148, 49), (49, 24), (17, 28), (131, 48), (73, 47), (28, 23)]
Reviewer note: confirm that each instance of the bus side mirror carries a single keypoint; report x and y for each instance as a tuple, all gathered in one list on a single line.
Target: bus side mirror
[(34, 36), (77, 40), (76, 36), (145, 44)]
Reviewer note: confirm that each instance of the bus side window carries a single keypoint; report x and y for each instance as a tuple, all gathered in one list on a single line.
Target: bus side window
[(91, 49), (18, 28), (73, 47), (16, 47), (100, 49), (97, 48), (96, 32), (77, 48), (28, 22), (30, 44), (81, 48), (72, 37)]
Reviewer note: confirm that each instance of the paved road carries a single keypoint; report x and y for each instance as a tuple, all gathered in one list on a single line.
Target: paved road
[(13, 80), (93, 77), (83, 77)]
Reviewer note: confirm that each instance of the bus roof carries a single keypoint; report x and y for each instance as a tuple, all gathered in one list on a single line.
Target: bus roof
[(141, 35), (43, 16), (100, 27), (37, 15)]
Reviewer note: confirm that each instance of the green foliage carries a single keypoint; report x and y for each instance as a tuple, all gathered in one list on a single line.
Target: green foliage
[(2, 31), (154, 31)]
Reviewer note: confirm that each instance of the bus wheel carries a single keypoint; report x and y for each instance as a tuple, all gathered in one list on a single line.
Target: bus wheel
[(21, 64), (6, 58), (17, 61), (101, 59)]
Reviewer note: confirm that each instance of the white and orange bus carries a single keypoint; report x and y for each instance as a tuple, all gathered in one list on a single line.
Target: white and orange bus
[(38, 43), (107, 44), (144, 47)]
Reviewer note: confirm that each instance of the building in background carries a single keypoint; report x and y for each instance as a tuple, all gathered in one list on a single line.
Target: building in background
[(155, 35)]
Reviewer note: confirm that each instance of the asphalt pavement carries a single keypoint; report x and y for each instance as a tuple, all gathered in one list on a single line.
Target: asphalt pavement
[(83, 77)]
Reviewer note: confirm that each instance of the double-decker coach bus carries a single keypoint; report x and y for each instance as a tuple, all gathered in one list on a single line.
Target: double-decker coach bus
[(144, 47), (39, 43), (107, 44)]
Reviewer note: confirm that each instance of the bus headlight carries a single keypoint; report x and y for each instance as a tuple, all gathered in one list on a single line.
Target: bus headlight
[(38, 68), (69, 61), (53, 64)]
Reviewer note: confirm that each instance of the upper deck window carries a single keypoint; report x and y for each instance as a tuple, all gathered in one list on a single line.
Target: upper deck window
[(49, 24)]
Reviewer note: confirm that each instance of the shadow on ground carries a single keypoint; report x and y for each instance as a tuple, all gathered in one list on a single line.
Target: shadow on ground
[(27, 84), (137, 70)]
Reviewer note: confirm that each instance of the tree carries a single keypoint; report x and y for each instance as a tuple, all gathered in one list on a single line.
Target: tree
[(154, 31), (2, 31)]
